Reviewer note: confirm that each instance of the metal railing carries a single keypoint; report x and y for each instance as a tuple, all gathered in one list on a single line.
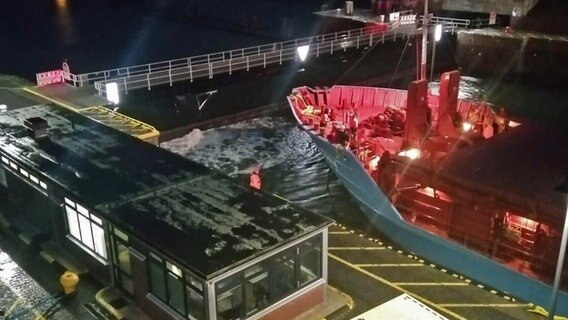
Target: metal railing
[(190, 68), (243, 59)]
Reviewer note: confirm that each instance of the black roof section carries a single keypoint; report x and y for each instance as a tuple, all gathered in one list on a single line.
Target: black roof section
[(198, 217)]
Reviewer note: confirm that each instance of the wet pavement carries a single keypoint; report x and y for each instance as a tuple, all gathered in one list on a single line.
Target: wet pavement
[(30, 289), (373, 272)]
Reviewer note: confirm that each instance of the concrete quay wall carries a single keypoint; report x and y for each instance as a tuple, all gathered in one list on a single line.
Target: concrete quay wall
[(501, 53)]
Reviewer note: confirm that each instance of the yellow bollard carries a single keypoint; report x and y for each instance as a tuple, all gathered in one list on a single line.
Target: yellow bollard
[(69, 281)]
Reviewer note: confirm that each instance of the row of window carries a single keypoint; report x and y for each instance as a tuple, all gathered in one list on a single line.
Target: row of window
[(23, 172), (245, 293), (180, 290)]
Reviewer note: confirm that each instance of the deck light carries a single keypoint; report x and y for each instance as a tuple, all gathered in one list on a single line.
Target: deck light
[(112, 92), (466, 126), (303, 52), (410, 153), (438, 32)]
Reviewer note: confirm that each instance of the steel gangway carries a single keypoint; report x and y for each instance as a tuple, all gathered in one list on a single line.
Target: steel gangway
[(226, 62)]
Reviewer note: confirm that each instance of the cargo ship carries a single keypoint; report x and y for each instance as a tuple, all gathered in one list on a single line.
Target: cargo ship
[(402, 155)]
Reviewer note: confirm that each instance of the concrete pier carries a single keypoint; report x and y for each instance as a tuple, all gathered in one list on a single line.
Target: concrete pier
[(486, 51)]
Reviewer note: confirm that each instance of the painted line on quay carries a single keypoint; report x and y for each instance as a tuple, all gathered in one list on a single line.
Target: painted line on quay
[(383, 265), (485, 305), (441, 284), (339, 232), (356, 248), (399, 288)]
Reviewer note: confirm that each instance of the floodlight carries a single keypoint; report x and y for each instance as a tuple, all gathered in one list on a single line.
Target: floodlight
[(112, 92), (303, 52)]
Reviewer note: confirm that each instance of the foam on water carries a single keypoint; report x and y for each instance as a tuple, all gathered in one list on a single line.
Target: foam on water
[(291, 165)]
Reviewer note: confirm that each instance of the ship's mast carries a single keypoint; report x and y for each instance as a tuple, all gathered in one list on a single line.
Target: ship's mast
[(424, 42)]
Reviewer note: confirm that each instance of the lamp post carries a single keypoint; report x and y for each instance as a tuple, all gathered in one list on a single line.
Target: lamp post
[(437, 37), (554, 296)]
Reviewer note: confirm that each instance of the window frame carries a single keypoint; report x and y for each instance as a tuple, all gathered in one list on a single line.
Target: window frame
[(169, 268), (71, 207)]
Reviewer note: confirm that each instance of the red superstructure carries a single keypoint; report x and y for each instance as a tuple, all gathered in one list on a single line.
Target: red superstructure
[(403, 140)]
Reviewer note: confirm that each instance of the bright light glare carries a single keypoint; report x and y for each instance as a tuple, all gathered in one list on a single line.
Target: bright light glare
[(410, 153), (303, 52), (373, 163), (3, 107), (466, 126), (112, 92), (438, 32), (61, 4)]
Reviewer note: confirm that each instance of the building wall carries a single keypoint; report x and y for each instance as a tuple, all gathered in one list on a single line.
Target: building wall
[(299, 305)]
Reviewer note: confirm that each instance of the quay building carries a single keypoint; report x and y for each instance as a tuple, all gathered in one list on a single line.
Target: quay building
[(180, 240)]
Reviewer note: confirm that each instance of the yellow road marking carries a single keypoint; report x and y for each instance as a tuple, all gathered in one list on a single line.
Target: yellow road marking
[(442, 284), (52, 100), (16, 302), (356, 248), (367, 265), (399, 288), (484, 305), (339, 232)]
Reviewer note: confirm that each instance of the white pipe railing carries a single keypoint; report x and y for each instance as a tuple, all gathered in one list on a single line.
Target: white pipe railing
[(230, 59)]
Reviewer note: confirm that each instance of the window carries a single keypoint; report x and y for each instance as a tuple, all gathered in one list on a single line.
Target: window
[(179, 289), (121, 260), (86, 229), (157, 278), (256, 288), (230, 298), (194, 297), (283, 274), (252, 290), (310, 260)]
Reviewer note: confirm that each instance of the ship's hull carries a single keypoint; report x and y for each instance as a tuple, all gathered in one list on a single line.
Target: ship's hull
[(385, 217)]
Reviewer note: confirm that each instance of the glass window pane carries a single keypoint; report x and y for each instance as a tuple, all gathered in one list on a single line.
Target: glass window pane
[(73, 223), (311, 265), (70, 203), (229, 298), (99, 238), (283, 275), (96, 220), (194, 303), (126, 283), (120, 234), (173, 268), (123, 256), (256, 289), (157, 280), (82, 210), (175, 293), (86, 237), (193, 281)]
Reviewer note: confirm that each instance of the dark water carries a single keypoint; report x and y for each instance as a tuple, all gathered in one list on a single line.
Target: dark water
[(37, 35), (293, 167)]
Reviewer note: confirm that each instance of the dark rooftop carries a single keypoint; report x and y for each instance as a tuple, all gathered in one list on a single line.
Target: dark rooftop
[(197, 216)]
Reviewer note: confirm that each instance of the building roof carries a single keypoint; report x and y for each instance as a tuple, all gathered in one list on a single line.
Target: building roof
[(196, 216)]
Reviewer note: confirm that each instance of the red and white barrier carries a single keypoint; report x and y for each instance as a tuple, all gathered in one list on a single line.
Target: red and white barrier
[(49, 77), (408, 19)]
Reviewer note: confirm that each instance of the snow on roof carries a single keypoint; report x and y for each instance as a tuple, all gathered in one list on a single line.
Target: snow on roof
[(403, 307), (199, 217)]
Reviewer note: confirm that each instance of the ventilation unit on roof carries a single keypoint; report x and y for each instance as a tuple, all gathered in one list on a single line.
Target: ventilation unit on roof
[(37, 127)]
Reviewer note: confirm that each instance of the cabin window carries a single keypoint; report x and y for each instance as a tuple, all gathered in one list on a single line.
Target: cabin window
[(230, 298), (178, 289), (86, 229), (310, 261), (247, 292)]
